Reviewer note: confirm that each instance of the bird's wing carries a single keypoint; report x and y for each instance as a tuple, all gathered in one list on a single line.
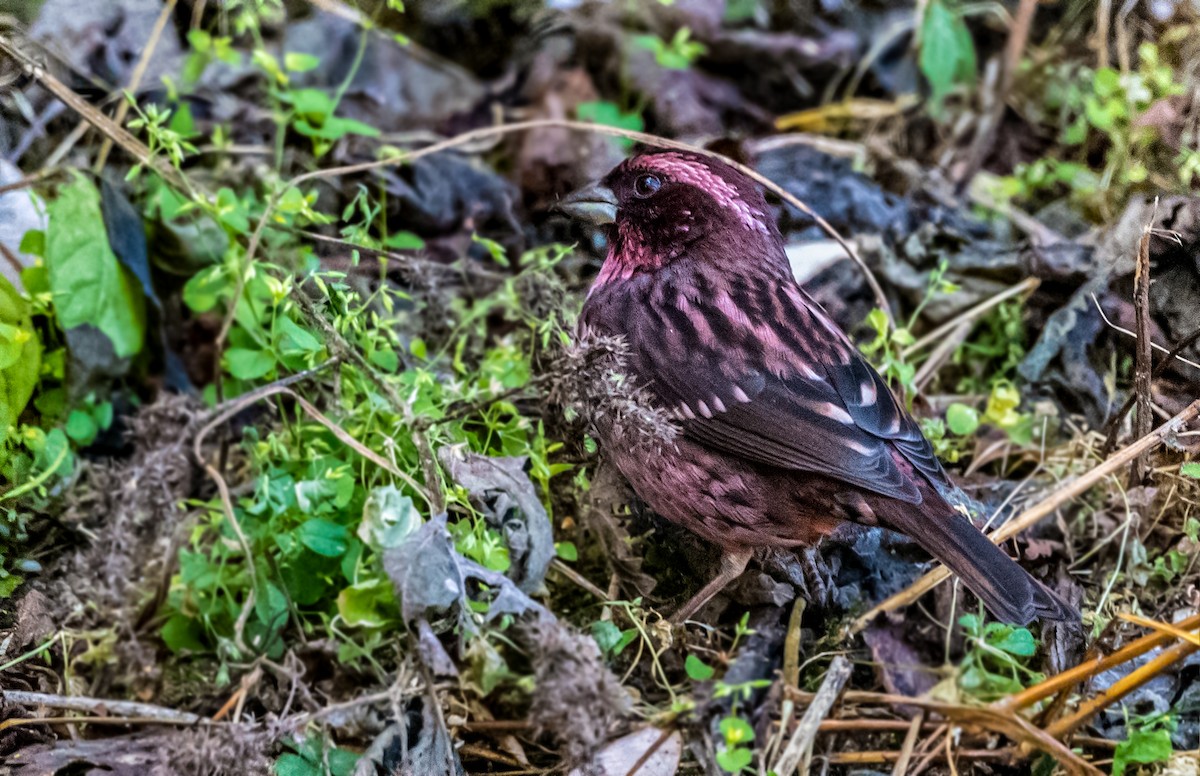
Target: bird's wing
[(832, 415)]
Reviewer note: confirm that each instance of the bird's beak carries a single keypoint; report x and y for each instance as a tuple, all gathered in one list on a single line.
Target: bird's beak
[(595, 204)]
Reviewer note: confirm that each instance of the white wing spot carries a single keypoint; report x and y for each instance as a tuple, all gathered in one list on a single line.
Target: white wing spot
[(740, 395), (704, 410), (857, 447), (834, 412), (687, 411), (868, 393), (717, 404)]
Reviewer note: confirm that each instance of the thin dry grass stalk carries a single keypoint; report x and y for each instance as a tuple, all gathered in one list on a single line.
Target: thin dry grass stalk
[(1037, 512), (1067, 679)]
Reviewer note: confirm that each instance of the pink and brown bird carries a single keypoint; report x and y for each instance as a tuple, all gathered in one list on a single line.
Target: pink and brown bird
[(786, 431)]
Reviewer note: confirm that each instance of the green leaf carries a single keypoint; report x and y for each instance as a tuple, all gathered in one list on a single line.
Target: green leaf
[(203, 290), (734, 760), (87, 282), (293, 339), (947, 55), (404, 241), (9, 584), (608, 114), (33, 242), (20, 356), (300, 63), (1142, 746), (324, 537), (962, 419), (1018, 641), (82, 428), (566, 551), (389, 516), (246, 364), (370, 603), (181, 633), (294, 765), (1190, 469), (697, 669), (736, 731), (611, 639)]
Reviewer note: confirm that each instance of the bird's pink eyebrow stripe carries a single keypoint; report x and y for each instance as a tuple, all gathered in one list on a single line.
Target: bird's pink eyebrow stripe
[(687, 171)]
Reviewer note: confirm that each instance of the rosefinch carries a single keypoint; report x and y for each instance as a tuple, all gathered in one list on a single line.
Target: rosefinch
[(786, 430)]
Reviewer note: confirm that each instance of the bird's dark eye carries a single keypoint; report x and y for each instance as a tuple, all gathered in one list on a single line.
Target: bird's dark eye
[(646, 185)]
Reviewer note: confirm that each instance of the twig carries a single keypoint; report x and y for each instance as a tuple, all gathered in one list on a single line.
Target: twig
[(235, 406), (984, 138), (432, 491), (578, 579), (800, 744), (1064, 681), (1110, 429), (1002, 721), (30, 180), (1162, 627), (1028, 285), (910, 743), (646, 755), (1122, 687), (1127, 332), (103, 706), (1045, 507), (1143, 365), (884, 757), (496, 131), (135, 79), (136, 148)]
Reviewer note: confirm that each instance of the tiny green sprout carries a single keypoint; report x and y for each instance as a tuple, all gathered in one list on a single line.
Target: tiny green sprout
[(736, 756), (676, 54)]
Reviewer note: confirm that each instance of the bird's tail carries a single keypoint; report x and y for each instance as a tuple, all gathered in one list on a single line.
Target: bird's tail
[(1006, 589)]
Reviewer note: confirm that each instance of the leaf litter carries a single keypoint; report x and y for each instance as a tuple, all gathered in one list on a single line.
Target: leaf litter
[(499, 663)]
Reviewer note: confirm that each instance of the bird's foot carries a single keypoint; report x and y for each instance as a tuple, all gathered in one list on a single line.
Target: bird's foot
[(732, 566)]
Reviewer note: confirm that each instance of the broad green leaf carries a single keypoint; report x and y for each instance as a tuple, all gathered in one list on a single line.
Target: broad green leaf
[(87, 282), (947, 55), (388, 518), (295, 339), (1018, 641), (1142, 746), (20, 356), (736, 731), (324, 537), (404, 241), (246, 364), (181, 633), (697, 669), (1190, 469), (962, 419), (371, 603), (82, 428), (608, 114), (300, 63), (566, 551), (734, 760), (294, 765)]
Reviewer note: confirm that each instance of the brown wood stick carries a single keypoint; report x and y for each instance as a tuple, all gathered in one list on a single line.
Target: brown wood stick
[(1142, 377), (1120, 688), (1037, 512), (1067, 679)]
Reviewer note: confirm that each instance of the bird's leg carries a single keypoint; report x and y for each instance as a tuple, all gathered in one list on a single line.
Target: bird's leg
[(733, 563)]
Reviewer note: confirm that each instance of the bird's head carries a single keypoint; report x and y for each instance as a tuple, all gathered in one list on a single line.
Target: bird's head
[(667, 204)]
